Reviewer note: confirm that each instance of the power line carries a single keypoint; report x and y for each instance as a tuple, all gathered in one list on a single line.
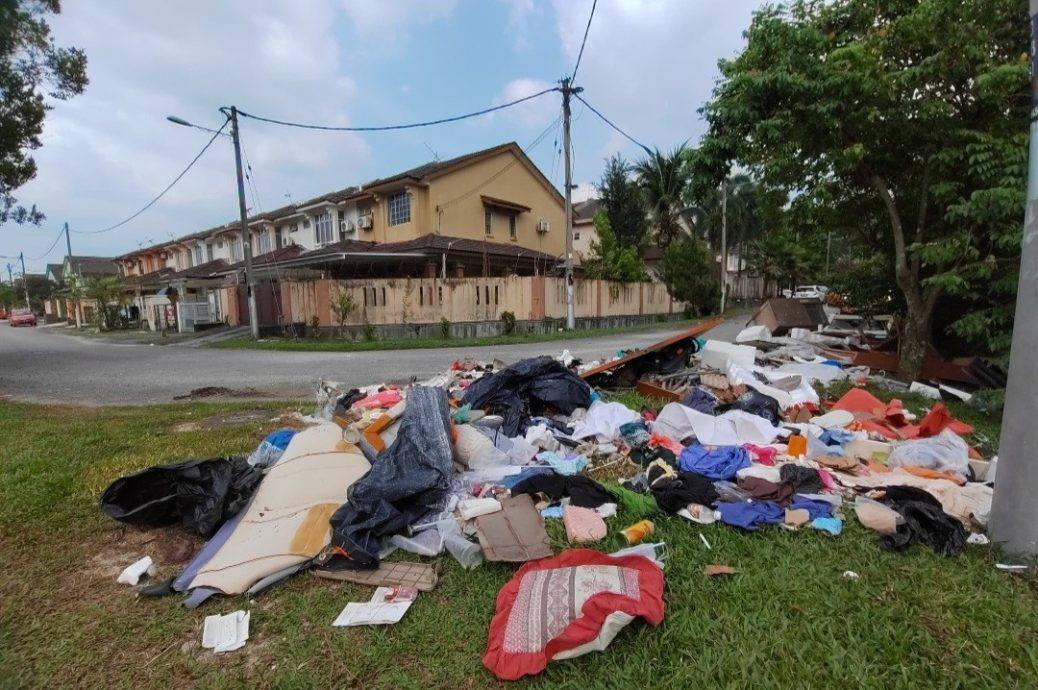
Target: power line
[(582, 43), (53, 244), (606, 120), (385, 128), (162, 193)]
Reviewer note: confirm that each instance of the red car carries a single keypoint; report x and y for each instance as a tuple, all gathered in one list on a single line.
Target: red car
[(21, 317)]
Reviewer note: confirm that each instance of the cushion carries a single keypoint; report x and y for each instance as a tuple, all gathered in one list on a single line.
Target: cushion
[(573, 603)]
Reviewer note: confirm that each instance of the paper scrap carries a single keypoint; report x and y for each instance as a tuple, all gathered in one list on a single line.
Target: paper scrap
[(226, 633), (1011, 568), (850, 574), (387, 606), (978, 539), (718, 569), (132, 574)]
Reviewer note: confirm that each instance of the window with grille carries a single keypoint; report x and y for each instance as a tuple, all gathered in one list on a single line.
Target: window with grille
[(488, 223), (323, 229), (400, 208)]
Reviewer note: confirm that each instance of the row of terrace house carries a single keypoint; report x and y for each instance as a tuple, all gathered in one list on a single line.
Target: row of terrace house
[(486, 214)]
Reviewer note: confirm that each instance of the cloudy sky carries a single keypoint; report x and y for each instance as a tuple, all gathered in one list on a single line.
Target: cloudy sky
[(648, 66)]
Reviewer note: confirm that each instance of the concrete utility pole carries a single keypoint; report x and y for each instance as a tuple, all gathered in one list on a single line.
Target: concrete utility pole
[(25, 281), (568, 91), (246, 236), (1014, 511), (724, 242), (75, 306), (10, 275)]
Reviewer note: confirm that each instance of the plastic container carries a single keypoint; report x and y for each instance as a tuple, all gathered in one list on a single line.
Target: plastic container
[(797, 446), (637, 532)]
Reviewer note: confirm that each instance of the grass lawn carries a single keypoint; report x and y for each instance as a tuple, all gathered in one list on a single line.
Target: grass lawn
[(313, 345), (787, 619)]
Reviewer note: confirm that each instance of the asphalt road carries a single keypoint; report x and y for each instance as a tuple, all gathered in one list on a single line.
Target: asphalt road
[(40, 365)]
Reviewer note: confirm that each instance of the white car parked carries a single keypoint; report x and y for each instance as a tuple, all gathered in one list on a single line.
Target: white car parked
[(811, 292)]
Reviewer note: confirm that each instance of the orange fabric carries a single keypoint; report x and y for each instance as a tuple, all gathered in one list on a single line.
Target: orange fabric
[(859, 400), (926, 473), (938, 419), (877, 467)]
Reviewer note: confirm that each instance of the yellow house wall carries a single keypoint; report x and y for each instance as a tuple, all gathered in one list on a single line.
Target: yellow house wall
[(454, 206)]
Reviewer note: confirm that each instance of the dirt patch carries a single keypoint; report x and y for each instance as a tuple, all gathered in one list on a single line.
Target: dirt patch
[(219, 392), (169, 548)]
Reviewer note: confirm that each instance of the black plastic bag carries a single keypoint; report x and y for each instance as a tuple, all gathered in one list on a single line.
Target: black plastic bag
[(925, 522), (675, 493), (410, 479), (755, 402), (528, 388), (199, 494)]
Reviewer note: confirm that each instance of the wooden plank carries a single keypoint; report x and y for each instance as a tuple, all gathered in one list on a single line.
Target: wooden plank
[(690, 334)]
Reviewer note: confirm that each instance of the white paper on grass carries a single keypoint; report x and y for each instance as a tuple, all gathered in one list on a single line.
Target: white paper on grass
[(133, 572), (733, 428), (603, 420), (375, 612), (226, 633)]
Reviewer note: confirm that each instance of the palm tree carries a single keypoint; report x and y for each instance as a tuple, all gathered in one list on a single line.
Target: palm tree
[(663, 178), (778, 259)]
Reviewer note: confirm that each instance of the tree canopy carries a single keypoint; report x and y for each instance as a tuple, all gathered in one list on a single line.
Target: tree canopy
[(908, 118), (623, 203), (686, 270), (32, 68), (663, 178), (610, 260)]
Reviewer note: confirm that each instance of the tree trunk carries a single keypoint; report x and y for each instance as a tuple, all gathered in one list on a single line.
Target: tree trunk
[(915, 338)]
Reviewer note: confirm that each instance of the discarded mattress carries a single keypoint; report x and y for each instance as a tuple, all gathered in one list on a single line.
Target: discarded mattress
[(569, 605), (286, 522)]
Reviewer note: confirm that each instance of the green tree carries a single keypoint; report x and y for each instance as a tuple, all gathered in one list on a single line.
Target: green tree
[(778, 259), (623, 203), (31, 65), (343, 305), (663, 178), (610, 260), (872, 105), (109, 294), (686, 270)]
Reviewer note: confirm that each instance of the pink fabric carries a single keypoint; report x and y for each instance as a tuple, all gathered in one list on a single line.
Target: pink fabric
[(827, 479), (666, 442), (583, 525), (383, 399), (765, 454)]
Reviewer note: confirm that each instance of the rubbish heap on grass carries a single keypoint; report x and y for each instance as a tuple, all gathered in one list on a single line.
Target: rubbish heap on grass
[(478, 460)]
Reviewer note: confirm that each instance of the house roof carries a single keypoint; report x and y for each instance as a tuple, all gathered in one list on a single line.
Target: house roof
[(432, 245), (93, 265), (210, 269), (584, 211), (418, 173), (55, 270), (270, 258)]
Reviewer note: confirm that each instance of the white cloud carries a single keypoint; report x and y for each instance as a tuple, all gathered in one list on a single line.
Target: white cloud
[(108, 152), (584, 191), (520, 12), (537, 112), (385, 24)]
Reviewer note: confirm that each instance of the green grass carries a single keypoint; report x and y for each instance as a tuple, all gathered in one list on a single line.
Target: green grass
[(787, 619), (315, 345)]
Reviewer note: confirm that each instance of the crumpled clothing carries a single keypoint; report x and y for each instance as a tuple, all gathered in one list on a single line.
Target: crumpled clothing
[(836, 439), (657, 470), (770, 473), (583, 525), (925, 523), (875, 516), (832, 525), (676, 493), (763, 490), (604, 421), (961, 502), (701, 400), (805, 480), (383, 399), (765, 455), (661, 441), (733, 428), (759, 404), (815, 508), (581, 491), (568, 464), (944, 452), (721, 463), (635, 434), (750, 515)]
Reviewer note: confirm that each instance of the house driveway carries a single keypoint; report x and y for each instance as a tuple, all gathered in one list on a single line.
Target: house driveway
[(39, 365)]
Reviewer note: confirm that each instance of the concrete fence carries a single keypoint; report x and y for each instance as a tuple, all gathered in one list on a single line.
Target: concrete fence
[(426, 301)]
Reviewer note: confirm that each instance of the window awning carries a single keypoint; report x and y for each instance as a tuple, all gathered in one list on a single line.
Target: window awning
[(504, 205)]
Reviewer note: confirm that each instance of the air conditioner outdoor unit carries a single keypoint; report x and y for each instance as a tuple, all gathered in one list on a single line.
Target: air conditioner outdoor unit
[(347, 227), (543, 226), (365, 222)]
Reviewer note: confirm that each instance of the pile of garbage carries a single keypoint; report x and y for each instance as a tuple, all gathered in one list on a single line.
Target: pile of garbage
[(476, 461)]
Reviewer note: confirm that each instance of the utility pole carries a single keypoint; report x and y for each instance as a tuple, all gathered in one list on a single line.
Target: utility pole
[(10, 276), (246, 236), (25, 281), (724, 242), (75, 295), (567, 91), (1014, 510), (828, 248)]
